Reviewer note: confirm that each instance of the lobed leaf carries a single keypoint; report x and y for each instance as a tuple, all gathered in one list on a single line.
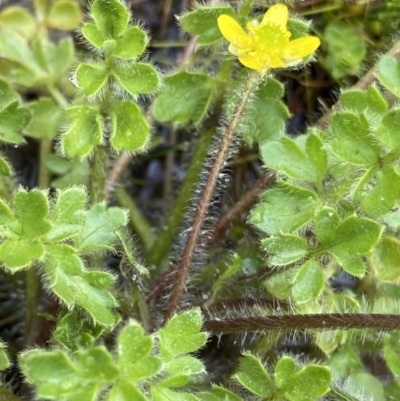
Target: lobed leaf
[(181, 335), (254, 377), (203, 22), (184, 97), (284, 208), (111, 17), (130, 130), (84, 132)]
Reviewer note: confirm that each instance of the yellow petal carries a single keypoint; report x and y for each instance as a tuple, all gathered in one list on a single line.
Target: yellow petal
[(252, 61), (277, 14), (277, 62), (233, 32), (299, 48)]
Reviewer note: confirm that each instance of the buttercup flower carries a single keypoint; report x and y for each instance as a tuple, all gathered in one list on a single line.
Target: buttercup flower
[(267, 44)]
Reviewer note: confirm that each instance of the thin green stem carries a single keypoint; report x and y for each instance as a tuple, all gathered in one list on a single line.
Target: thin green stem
[(33, 285), (32, 320), (45, 150), (139, 224), (183, 266), (57, 96), (98, 168)]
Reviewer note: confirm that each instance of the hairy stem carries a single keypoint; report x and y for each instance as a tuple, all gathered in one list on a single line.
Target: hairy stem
[(33, 290), (33, 285), (98, 167), (184, 263), (302, 322), (248, 199)]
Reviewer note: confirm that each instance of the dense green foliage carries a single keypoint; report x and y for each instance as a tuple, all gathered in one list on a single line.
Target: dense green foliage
[(332, 211)]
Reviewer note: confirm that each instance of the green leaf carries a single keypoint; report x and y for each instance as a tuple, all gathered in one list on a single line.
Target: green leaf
[(70, 172), (65, 15), (280, 284), (25, 68), (18, 19), (4, 362), (285, 248), (224, 394), (231, 270), (110, 16), (5, 168), (163, 394), (19, 253), (181, 335), (391, 354), (59, 59), (184, 97), (389, 74), (133, 344), (351, 238), (68, 279), (346, 48), (66, 256), (203, 22), (265, 117), (88, 392), (84, 133), (144, 368), (370, 102), (308, 283), (74, 332), (130, 130), (353, 142), (326, 222), (387, 132), (254, 377), (385, 259), (92, 34), (344, 361), (6, 215), (76, 290), (91, 78), (13, 118), (68, 214), (284, 371), (362, 384), (70, 202), (186, 364), (132, 44), (137, 78), (308, 164), (51, 371), (32, 209), (96, 364), (98, 231), (308, 383), (124, 390), (378, 190), (285, 208), (47, 119)]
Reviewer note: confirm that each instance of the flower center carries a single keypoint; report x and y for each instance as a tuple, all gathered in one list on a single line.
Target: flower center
[(271, 39)]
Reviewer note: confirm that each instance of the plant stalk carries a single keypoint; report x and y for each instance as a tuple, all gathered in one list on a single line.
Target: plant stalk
[(183, 266), (334, 321)]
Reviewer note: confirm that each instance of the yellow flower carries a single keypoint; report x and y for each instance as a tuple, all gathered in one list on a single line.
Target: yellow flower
[(267, 44)]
